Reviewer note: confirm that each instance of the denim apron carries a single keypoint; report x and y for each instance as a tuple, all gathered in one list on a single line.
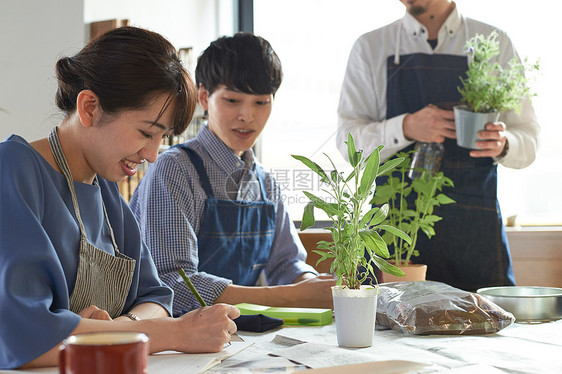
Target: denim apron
[(102, 279), (470, 248), (235, 237)]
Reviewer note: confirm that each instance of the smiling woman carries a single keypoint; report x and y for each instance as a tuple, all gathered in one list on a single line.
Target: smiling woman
[(98, 144), (71, 256)]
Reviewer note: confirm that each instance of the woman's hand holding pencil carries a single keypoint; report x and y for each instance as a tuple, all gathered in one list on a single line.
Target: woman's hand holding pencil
[(233, 335)]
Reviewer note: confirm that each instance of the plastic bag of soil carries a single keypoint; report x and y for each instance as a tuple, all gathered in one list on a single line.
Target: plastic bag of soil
[(437, 308)]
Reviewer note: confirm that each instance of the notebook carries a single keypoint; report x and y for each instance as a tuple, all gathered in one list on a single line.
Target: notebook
[(290, 316)]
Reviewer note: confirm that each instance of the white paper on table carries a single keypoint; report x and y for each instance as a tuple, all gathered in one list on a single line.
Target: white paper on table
[(172, 361), (493, 350), (268, 365), (320, 355), (379, 367)]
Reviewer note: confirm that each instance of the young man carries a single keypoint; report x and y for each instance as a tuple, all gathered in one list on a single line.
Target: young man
[(209, 207), (398, 81)]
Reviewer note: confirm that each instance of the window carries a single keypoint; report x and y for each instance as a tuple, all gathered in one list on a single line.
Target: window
[(313, 38)]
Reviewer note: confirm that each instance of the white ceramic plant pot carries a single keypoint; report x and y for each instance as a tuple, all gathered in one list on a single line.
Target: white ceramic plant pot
[(469, 123), (355, 312)]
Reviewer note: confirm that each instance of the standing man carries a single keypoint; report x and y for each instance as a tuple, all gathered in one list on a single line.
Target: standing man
[(400, 83)]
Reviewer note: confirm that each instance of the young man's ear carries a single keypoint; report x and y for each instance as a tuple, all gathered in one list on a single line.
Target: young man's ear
[(203, 97), (88, 107)]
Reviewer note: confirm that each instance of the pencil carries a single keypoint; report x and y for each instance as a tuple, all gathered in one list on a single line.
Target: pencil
[(191, 287)]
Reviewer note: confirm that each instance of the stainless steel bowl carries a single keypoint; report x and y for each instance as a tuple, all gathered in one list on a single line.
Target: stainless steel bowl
[(528, 304)]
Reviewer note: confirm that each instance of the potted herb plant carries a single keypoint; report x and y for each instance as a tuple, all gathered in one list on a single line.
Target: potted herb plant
[(424, 193), (355, 232), (488, 89)]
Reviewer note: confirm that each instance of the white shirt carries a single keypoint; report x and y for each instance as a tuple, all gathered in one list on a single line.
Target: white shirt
[(362, 107)]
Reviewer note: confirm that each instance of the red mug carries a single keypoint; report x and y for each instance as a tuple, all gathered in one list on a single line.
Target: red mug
[(104, 353)]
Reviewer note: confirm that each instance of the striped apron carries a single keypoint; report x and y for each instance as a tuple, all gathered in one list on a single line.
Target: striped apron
[(102, 279)]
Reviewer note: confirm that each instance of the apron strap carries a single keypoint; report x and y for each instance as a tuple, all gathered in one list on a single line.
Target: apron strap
[(200, 168), (204, 177), (60, 158), (465, 22), (259, 175), (397, 46)]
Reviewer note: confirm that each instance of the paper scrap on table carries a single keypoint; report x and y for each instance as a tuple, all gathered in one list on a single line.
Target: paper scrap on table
[(286, 340), (379, 367), (192, 362), (327, 359), (320, 355), (269, 365)]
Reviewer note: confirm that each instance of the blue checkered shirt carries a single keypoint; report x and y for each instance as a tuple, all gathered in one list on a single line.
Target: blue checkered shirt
[(169, 205)]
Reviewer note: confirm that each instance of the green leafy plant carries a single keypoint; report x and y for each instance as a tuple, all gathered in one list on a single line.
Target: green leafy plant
[(354, 231), (489, 87), (411, 219)]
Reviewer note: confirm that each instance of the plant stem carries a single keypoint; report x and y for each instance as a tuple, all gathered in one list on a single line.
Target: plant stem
[(414, 236)]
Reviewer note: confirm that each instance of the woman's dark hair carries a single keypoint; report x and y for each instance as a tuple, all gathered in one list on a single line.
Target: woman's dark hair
[(244, 62), (126, 68)]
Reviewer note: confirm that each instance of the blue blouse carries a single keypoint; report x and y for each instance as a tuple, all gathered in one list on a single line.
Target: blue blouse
[(39, 245)]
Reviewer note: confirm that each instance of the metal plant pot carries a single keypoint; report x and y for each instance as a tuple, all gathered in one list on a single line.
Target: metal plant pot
[(469, 123)]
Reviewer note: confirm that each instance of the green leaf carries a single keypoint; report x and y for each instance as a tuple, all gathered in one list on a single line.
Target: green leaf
[(402, 235), (370, 215), (374, 242), (386, 267), (428, 230), (390, 165), (335, 236), (370, 171), (350, 177), (352, 151), (330, 209), (383, 194), (443, 199), (431, 219), (388, 238), (323, 255), (367, 217), (308, 216), (334, 175), (311, 165), (374, 216), (409, 213), (421, 187), (380, 215)]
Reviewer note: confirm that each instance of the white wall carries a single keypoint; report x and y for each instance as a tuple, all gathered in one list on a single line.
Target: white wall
[(33, 35), (185, 23)]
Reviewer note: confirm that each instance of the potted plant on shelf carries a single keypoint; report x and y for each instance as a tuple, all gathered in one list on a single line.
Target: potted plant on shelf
[(488, 89), (355, 232), (424, 192)]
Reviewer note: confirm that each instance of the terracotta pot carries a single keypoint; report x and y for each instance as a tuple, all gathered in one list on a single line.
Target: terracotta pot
[(414, 272)]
